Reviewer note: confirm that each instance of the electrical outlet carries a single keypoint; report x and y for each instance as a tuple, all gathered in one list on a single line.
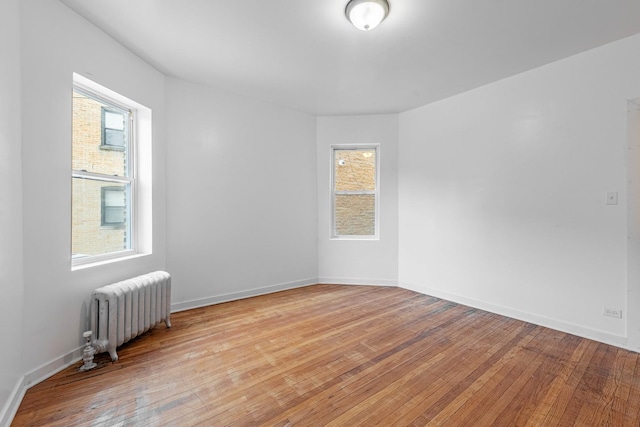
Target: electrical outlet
[(612, 312)]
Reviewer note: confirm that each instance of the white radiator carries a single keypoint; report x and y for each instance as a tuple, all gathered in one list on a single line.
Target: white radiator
[(124, 310)]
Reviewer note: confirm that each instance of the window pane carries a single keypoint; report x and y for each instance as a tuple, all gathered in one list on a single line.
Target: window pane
[(91, 210), (355, 214), (90, 137), (114, 197), (114, 215), (355, 170), (113, 120), (114, 138)]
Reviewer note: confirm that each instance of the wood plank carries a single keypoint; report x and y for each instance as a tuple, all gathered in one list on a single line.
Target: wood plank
[(345, 355), (501, 383), (404, 387), (532, 396)]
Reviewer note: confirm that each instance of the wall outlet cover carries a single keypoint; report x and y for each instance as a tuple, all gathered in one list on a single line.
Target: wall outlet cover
[(612, 312)]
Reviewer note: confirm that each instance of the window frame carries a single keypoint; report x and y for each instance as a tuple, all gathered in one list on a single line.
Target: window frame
[(355, 147), (101, 94)]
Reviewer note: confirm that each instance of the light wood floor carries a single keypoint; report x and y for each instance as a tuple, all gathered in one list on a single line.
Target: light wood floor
[(329, 355)]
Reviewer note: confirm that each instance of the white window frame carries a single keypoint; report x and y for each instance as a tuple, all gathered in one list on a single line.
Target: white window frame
[(376, 192), (108, 96)]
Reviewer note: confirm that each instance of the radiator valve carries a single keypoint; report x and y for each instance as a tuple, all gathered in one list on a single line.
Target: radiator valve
[(87, 353)]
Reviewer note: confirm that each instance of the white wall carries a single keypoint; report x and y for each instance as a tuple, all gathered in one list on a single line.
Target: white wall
[(11, 283), (359, 261), (241, 196), (55, 43), (633, 224), (502, 193)]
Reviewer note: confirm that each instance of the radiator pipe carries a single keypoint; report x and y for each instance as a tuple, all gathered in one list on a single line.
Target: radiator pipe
[(100, 346), (88, 352)]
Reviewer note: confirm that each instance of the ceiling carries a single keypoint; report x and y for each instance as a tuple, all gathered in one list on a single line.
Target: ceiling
[(305, 55)]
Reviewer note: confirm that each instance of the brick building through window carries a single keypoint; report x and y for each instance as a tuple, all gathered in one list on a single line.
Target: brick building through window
[(355, 192)]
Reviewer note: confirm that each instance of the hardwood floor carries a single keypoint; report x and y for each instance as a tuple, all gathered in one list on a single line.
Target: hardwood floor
[(328, 355)]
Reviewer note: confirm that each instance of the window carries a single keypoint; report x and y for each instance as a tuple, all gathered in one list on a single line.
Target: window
[(103, 177), (113, 129), (114, 206), (355, 191)]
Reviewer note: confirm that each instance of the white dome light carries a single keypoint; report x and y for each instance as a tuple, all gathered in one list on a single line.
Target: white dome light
[(365, 15)]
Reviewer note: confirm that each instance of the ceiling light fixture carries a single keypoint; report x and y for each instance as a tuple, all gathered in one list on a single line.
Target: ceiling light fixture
[(365, 15)]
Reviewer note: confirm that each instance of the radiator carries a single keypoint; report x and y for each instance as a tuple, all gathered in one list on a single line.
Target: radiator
[(127, 309)]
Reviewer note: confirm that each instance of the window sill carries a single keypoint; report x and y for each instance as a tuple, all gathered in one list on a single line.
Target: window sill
[(111, 147), (112, 227), (96, 261), (355, 238)]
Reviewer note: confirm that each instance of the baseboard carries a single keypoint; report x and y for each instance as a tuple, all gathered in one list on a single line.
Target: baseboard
[(558, 325), (203, 302), (366, 282), (13, 403), (34, 377), (51, 368)]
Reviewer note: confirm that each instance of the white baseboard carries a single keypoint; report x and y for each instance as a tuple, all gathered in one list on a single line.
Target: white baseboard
[(558, 325), (13, 403), (51, 368), (348, 281), (203, 302), (34, 377)]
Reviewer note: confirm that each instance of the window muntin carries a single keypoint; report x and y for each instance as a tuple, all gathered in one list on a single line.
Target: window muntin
[(355, 192), (103, 180)]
